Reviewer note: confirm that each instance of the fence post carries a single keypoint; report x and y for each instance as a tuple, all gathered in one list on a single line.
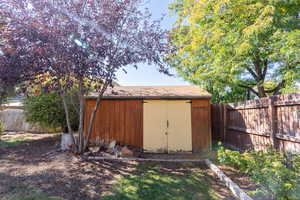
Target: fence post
[(273, 121), (224, 122)]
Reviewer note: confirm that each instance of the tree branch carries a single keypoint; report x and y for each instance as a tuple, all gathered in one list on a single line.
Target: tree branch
[(277, 89), (253, 74), (250, 88), (265, 70)]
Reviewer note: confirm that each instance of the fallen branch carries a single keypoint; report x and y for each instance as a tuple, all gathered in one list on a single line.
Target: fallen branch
[(235, 189), (145, 159)]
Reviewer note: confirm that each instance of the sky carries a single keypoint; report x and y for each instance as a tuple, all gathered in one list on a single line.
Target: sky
[(148, 74)]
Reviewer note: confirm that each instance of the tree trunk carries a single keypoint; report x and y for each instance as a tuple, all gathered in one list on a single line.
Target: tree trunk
[(81, 148), (248, 94), (3, 89), (93, 115), (261, 91), (63, 96)]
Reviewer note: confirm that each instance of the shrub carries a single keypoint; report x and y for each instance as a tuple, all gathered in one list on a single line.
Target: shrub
[(47, 110), (269, 169), (295, 163), (1, 127)]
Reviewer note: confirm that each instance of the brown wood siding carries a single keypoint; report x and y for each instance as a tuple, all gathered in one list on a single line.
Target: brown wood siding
[(120, 120), (201, 125)]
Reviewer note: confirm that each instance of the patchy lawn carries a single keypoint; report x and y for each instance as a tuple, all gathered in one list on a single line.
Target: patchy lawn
[(165, 181), (13, 139), (28, 193), (33, 170), (10, 143)]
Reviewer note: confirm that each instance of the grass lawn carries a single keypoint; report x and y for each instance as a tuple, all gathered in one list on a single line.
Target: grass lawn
[(14, 139), (10, 143), (153, 181), (5, 142), (28, 193)]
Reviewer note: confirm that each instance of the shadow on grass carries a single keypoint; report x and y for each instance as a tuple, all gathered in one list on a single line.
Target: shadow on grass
[(28, 193), (74, 182), (159, 182), (62, 176)]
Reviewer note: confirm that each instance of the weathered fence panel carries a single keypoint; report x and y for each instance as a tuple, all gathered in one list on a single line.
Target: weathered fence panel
[(272, 121), (13, 119)]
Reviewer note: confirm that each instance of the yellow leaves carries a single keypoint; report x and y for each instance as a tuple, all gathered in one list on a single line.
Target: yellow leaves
[(269, 85), (216, 34), (288, 186), (219, 7), (243, 48), (277, 164), (196, 13), (263, 21), (186, 62), (259, 26), (268, 10)]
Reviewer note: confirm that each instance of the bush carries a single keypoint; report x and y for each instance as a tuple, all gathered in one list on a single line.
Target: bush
[(47, 110), (278, 175), (1, 127)]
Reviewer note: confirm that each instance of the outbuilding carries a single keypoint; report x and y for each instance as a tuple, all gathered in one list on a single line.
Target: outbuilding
[(154, 118)]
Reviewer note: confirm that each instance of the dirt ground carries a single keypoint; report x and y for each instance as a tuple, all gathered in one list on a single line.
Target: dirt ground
[(245, 183), (37, 163)]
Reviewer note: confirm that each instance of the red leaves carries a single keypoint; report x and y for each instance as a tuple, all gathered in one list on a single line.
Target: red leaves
[(90, 39)]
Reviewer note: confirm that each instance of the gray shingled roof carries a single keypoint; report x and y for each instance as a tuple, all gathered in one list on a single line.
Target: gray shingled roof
[(154, 92)]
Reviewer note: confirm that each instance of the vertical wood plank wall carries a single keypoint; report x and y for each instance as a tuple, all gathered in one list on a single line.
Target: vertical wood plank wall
[(201, 125), (257, 124), (120, 120)]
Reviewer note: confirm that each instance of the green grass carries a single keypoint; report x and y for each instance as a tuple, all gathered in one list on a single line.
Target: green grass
[(28, 193), (9, 143), (154, 182)]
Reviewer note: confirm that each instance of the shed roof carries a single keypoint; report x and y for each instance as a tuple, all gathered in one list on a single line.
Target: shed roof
[(154, 92)]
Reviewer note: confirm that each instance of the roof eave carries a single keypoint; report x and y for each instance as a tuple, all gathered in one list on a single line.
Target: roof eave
[(150, 97)]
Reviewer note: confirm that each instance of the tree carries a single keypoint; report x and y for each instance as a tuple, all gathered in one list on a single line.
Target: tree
[(253, 45), (83, 44), (221, 94), (9, 75), (11, 72)]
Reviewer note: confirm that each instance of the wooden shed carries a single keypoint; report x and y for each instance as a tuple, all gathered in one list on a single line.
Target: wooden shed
[(154, 118)]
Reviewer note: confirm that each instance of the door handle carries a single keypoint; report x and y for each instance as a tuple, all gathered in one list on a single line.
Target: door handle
[(167, 123), (166, 133)]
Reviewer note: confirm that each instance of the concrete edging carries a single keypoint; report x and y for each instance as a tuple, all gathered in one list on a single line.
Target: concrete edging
[(143, 159), (234, 188)]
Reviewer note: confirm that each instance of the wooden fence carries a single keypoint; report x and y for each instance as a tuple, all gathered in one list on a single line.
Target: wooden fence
[(257, 124)]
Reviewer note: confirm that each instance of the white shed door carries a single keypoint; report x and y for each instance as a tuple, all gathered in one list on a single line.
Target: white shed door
[(167, 126), (179, 126), (155, 129)]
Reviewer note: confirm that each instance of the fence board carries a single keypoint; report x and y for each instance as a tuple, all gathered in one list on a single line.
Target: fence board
[(257, 124)]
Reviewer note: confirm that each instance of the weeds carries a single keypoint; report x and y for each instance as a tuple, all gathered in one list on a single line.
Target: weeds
[(277, 173)]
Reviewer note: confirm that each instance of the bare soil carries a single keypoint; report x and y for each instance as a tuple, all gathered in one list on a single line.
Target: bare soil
[(38, 164), (245, 183)]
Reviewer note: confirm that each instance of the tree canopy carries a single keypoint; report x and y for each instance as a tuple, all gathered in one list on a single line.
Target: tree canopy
[(238, 45), (9, 72)]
